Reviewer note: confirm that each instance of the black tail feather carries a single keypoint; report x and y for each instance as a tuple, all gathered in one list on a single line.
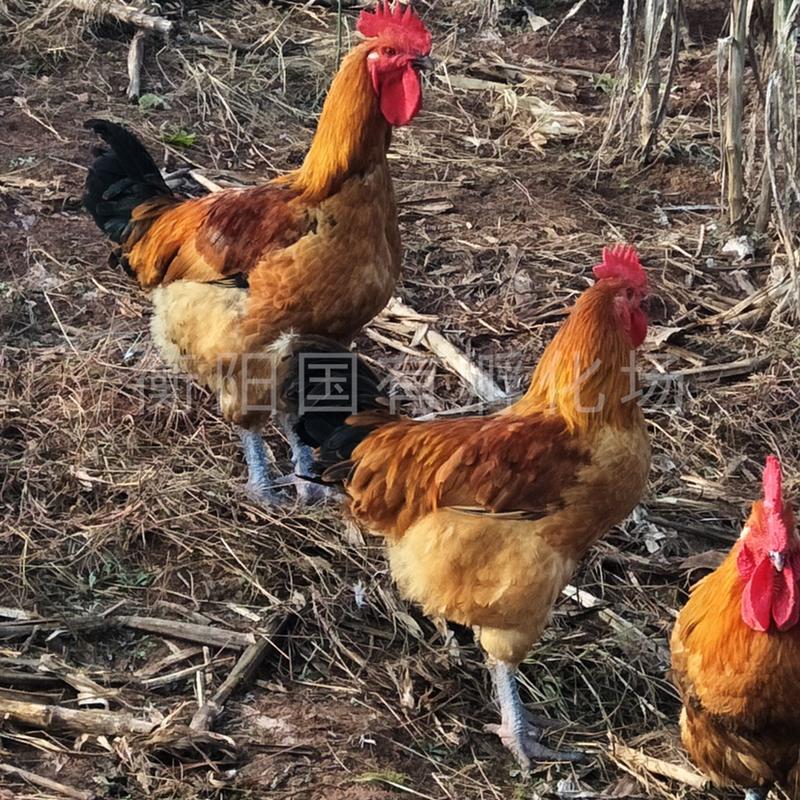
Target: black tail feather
[(121, 177), (323, 422)]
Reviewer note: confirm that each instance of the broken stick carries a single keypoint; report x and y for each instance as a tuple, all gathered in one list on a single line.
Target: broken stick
[(135, 58), (480, 381), (204, 634), (47, 717), (244, 669), (45, 783), (125, 13), (635, 761)]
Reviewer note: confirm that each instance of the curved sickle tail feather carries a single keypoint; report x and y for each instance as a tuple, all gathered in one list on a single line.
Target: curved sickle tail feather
[(333, 424), (121, 178)]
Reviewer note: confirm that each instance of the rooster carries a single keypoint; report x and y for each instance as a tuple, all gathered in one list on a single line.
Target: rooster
[(486, 518), (736, 655), (237, 276)]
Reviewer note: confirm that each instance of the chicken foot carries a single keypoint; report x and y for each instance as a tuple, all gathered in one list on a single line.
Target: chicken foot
[(518, 729), (262, 480), (260, 464), (303, 459)]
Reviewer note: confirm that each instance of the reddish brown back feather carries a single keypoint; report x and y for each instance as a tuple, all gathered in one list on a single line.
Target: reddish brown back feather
[(495, 464), (241, 227)]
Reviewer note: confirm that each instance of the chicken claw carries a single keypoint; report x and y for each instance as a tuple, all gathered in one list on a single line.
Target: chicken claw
[(519, 730)]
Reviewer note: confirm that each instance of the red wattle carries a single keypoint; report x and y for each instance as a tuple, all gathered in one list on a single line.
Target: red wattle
[(638, 327), (785, 610), (401, 96)]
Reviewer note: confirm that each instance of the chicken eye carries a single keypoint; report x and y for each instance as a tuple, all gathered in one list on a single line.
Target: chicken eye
[(389, 51), (630, 294)]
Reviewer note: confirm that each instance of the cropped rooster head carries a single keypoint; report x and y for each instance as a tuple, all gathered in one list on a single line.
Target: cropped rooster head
[(627, 279), (399, 47), (769, 558)]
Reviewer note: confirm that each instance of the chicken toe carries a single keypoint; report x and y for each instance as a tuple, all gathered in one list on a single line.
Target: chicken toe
[(517, 730)]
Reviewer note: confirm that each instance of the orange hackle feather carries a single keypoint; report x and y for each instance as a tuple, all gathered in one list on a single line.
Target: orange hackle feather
[(586, 374), (351, 135)]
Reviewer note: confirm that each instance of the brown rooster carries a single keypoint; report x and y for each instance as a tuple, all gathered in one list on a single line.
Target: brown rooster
[(486, 518), (736, 655), (236, 276)]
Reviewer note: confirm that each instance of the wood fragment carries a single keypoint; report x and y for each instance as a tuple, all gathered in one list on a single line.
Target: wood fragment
[(635, 761), (710, 371), (480, 381), (5, 611), (135, 58), (173, 677), (24, 628), (203, 634), (32, 697), (205, 182), (48, 717), (613, 619), (153, 669), (242, 673), (44, 783), (12, 677), (125, 13), (759, 299)]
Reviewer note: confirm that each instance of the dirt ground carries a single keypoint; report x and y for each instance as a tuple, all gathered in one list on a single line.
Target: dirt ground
[(121, 490)]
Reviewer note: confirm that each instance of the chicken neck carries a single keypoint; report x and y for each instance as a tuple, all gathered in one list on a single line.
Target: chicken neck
[(352, 135), (587, 373)]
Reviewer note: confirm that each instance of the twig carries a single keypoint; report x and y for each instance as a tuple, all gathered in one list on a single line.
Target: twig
[(135, 58), (11, 677), (551, 120), (709, 371), (25, 628), (125, 13), (760, 298), (46, 717), (45, 783), (635, 761), (205, 182), (172, 677), (614, 620), (204, 634), (244, 669), (482, 384)]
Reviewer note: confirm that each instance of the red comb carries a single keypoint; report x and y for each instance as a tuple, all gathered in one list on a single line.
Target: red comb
[(393, 21), (773, 505), (773, 497), (621, 261)]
